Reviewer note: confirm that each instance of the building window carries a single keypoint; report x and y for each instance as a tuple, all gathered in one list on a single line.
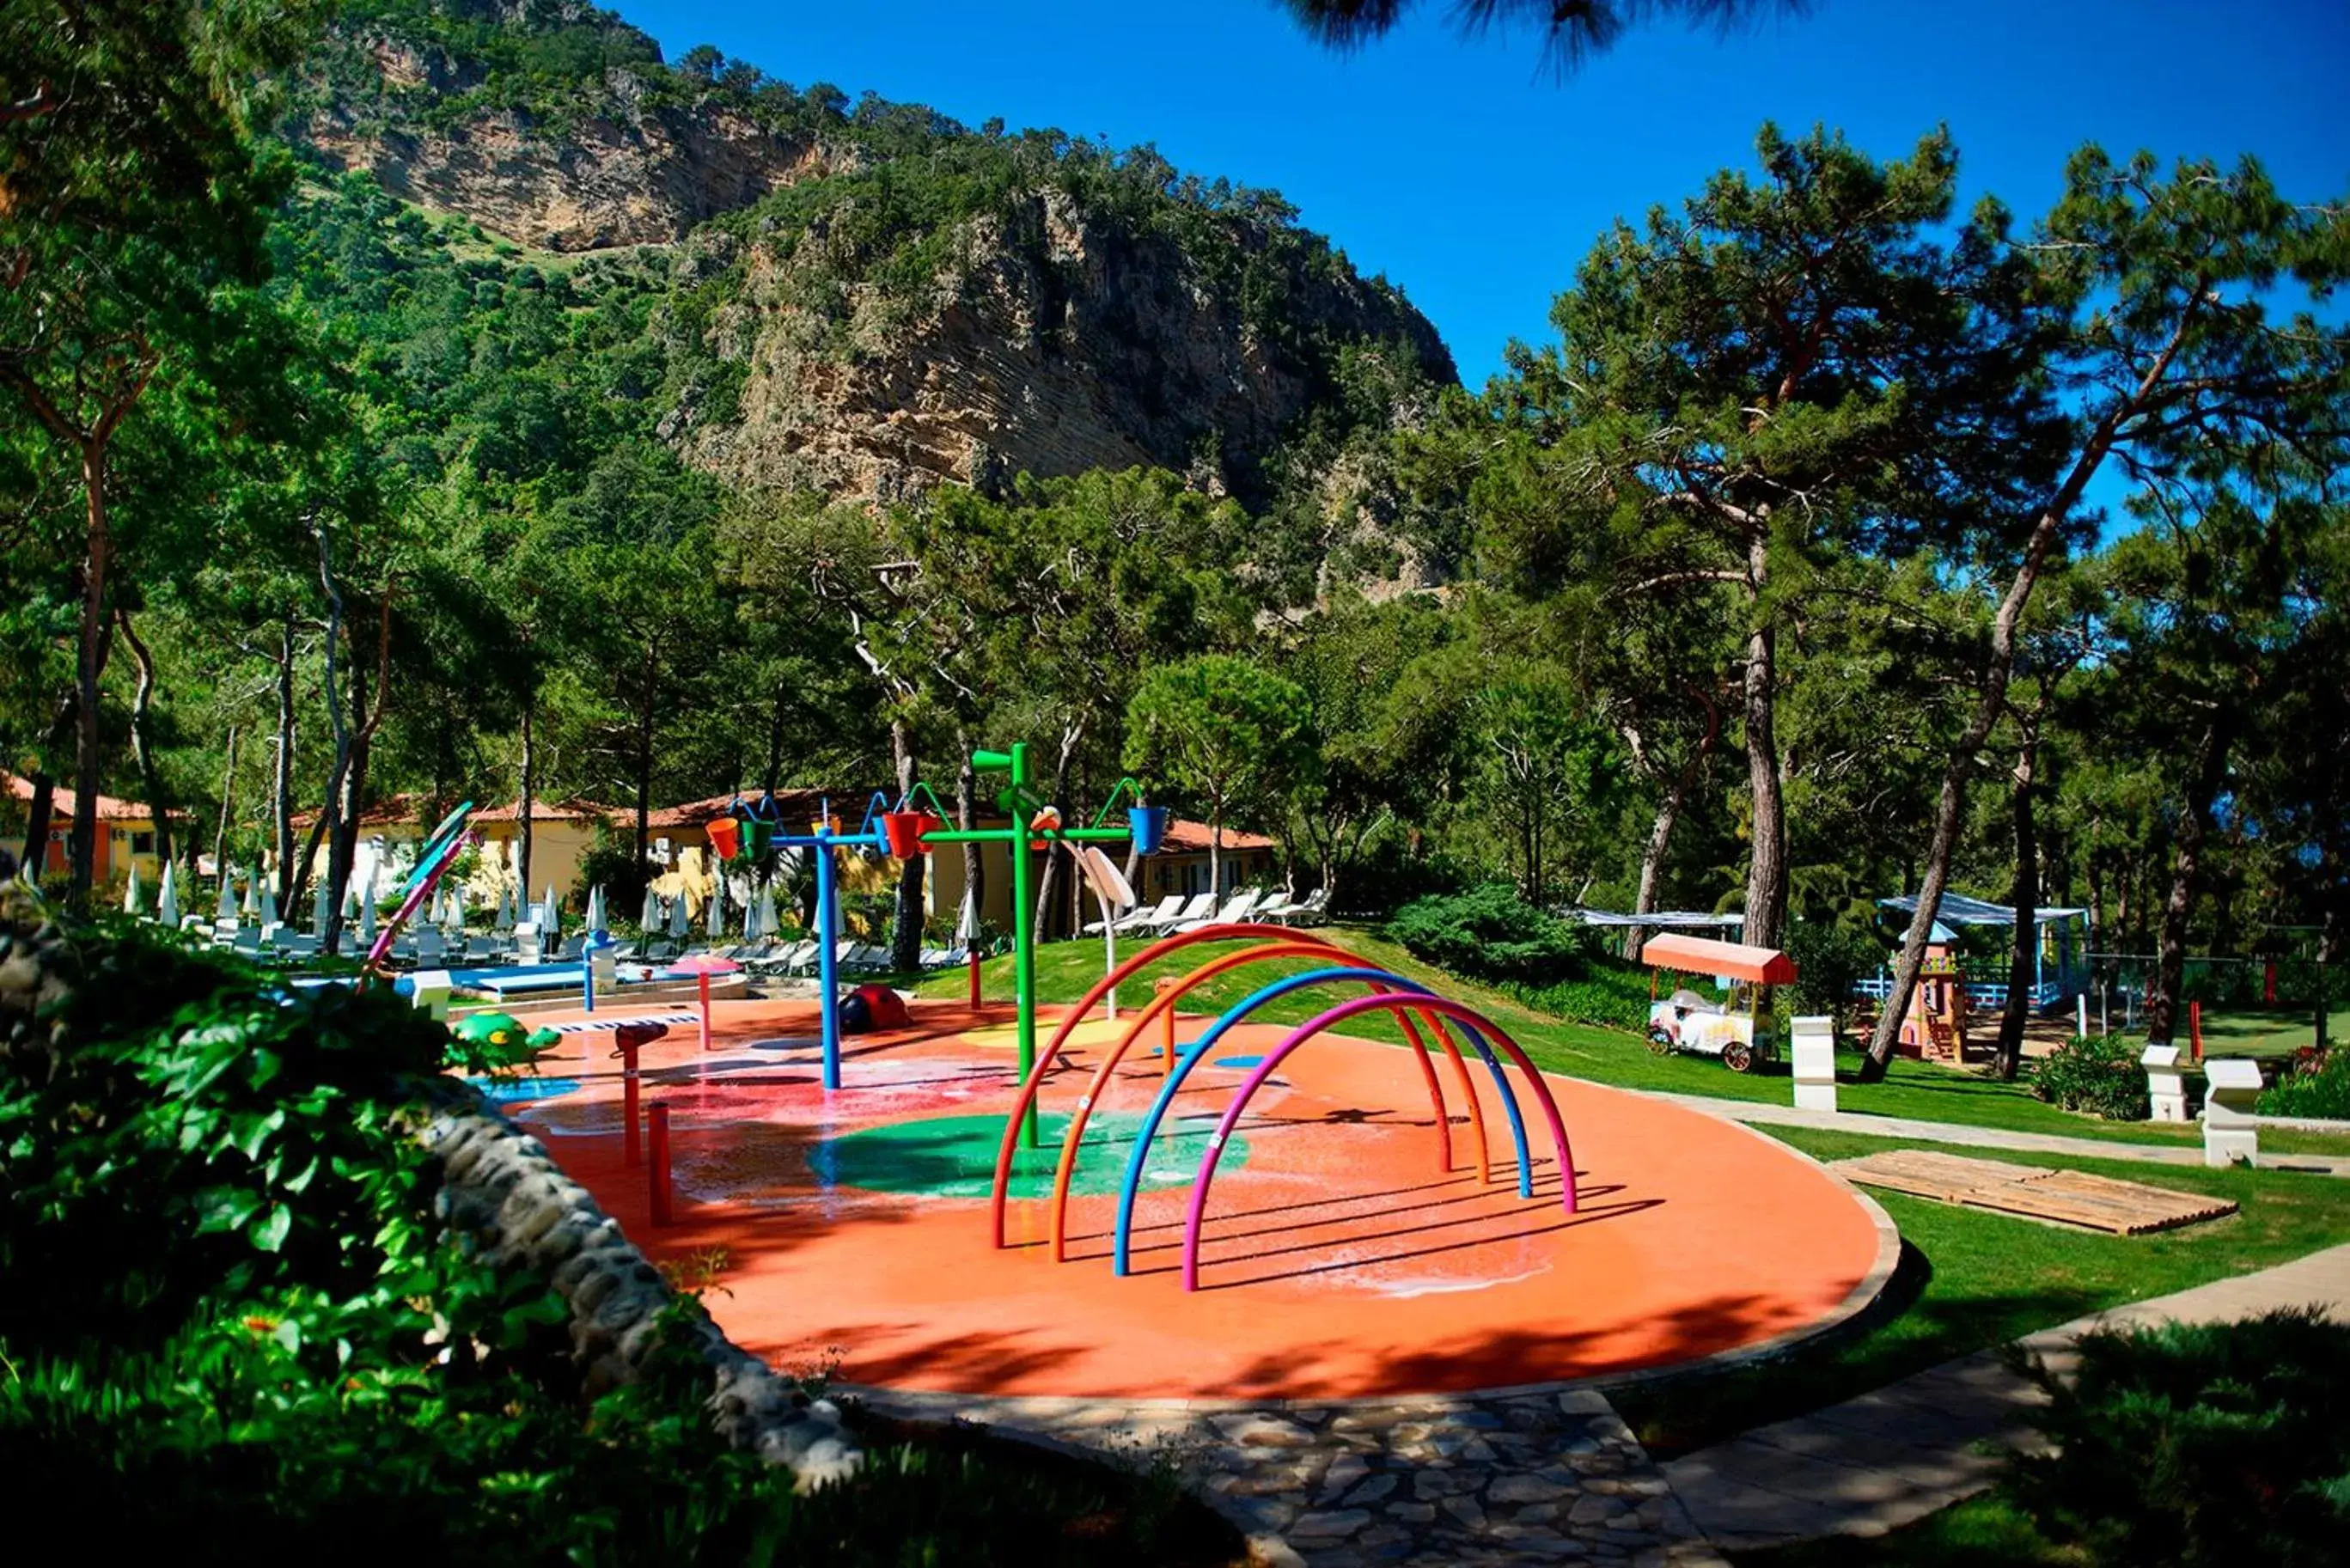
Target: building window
[(142, 844)]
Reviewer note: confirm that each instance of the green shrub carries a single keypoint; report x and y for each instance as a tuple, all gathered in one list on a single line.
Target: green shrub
[(234, 1330), (2318, 1085), (2098, 1075), (2193, 1445), (1830, 960), (1612, 994), (1490, 933)]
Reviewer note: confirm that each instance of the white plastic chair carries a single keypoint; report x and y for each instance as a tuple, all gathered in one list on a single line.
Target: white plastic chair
[(1192, 908), (1236, 909)]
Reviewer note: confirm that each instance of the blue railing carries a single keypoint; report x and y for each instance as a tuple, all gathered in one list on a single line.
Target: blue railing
[(1981, 995)]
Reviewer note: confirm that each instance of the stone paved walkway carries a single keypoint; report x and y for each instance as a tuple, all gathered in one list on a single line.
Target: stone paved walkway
[(1475, 1482), (1877, 1462), (1771, 1114)]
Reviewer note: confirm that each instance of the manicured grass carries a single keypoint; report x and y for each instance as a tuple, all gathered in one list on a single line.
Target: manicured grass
[(1980, 1532), (2263, 1032), (1972, 1279), (1912, 1089)]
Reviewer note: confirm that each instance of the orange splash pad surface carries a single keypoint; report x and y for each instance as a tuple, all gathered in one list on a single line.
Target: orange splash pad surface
[(1337, 1260)]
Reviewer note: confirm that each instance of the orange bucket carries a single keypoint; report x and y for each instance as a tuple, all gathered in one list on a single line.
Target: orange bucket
[(725, 837), (904, 830)]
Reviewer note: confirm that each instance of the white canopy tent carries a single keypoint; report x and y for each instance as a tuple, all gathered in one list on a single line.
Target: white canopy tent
[(1663, 920)]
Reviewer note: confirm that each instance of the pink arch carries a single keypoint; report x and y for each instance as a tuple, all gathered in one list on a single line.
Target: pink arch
[(1065, 1173), (1026, 1094), (1389, 1002)]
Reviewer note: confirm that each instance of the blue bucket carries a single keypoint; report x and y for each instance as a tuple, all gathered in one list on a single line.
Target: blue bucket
[(1148, 825)]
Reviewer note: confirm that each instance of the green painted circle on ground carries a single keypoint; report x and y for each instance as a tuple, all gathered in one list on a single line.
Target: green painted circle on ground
[(954, 1157)]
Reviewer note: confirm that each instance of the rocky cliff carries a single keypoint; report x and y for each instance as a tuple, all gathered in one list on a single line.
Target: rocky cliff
[(886, 300), (1055, 340)]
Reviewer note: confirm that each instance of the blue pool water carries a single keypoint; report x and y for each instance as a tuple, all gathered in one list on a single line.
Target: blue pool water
[(506, 1091)]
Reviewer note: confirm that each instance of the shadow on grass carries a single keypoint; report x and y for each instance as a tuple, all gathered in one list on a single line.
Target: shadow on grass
[(1676, 1416)]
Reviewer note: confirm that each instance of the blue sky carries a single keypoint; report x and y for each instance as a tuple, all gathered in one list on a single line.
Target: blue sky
[(1477, 181)]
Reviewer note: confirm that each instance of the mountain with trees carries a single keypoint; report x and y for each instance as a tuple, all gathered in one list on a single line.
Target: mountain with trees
[(874, 298)]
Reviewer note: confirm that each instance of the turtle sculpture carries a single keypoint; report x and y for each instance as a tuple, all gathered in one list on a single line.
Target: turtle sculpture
[(503, 1032)]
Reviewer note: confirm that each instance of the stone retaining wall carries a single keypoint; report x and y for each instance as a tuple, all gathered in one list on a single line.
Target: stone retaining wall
[(506, 1198)]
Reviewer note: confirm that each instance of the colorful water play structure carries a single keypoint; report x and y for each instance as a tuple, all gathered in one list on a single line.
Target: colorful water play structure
[(441, 848), (1337, 1262), (902, 830), (1431, 1025), (1391, 994)]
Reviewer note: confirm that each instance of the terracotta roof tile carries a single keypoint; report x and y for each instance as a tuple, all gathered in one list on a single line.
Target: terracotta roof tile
[(62, 803)]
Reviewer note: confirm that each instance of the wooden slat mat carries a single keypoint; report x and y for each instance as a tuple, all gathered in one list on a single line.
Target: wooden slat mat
[(2039, 1192)]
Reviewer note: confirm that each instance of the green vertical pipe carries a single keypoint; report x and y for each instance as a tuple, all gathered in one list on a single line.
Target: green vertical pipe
[(1024, 934)]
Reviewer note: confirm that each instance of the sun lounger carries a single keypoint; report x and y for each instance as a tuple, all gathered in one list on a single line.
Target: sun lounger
[(1236, 909), (1164, 910), (1191, 909)]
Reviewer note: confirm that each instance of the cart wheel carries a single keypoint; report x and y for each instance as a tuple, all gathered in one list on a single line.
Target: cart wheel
[(1738, 1056), (1660, 1042)]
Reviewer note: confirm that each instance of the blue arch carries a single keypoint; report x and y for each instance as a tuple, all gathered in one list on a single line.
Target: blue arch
[(1182, 1069)]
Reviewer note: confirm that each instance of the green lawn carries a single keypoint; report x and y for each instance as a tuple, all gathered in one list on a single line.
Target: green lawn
[(1914, 1089), (1980, 1532), (1972, 1279), (2268, 1032)]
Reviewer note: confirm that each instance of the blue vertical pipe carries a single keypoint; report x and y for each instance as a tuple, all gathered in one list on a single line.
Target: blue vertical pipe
[(828, 956)]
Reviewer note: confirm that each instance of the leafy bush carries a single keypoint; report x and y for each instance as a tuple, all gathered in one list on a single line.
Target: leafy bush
[(2193, 1445), (1490, 933), (2099, 1075), (236, 1331), (2317, 1086), (1612, 994), (611, 863), (1830, 960)]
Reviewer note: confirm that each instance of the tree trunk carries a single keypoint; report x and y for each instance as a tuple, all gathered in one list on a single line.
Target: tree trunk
[(906, 937), (645, 755), (974, 865), (2187, 863), (281, 783), (343, 841), (2099, 442), (1766, 868), (1660, 832), (89, 665), (776, 739), (524, 807), (2026, 899), (142, 750), (1216, 855), (1048, 880), (228, 792), (329, 823), (343, 857), (43, 805)]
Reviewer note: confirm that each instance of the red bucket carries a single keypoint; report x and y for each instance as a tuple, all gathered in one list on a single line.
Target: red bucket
[(724, 837), (904, 830)]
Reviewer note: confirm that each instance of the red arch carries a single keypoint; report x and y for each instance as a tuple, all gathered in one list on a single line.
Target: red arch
[(1392, 1002), (1027, 1096), (1065, 1171)]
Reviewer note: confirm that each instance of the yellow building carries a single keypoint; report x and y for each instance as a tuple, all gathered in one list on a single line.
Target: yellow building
[(126, 834)]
